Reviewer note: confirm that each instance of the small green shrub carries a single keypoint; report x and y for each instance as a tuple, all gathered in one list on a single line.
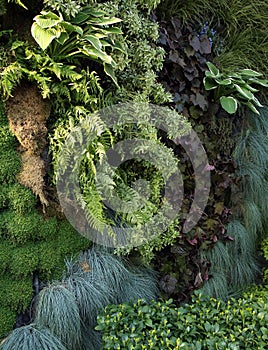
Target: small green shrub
[(31, 338), (206, 323)]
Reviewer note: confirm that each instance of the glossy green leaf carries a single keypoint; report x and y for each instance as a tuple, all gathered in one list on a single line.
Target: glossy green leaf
[(95, 42)]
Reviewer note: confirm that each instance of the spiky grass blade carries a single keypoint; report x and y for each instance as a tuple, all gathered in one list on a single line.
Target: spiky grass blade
[(106, 270), (138, 286), (58, 311), (89, 297), (31, 338), (91, 339)]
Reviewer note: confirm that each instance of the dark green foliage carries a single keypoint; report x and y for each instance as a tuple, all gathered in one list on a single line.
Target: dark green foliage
[(206, 323), (21, 199), (7, 320), (31, 338), (9, 165), (240, 40), (15, 294), (58, 311)]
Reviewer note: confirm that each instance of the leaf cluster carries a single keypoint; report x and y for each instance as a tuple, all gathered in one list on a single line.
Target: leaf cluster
[(206, 323), (234, 89)]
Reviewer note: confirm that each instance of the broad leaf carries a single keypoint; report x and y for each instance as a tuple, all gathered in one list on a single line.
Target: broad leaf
[(250, 73), (108, 69), (229, 104), (210, 84), (213, 69), (47, 20), (71, 28), (94, 41), (92, 52), (257, 102), (43, 37), (244, 92)]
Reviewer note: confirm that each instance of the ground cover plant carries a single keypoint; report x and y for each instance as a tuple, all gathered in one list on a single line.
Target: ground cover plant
[(206, 323)]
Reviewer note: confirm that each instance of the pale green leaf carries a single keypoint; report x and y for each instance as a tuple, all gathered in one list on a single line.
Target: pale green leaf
[(43, 37), (213, 69), (94, 41), (244, 92), (47, 20), (229, 104)]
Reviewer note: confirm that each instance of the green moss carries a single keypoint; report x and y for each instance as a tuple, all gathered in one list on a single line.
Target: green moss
[(7, 320), (9, 165), (21, 199), (24, 261), (15, 294)]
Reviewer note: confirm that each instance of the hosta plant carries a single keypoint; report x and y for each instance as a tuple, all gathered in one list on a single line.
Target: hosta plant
[(235, 88)]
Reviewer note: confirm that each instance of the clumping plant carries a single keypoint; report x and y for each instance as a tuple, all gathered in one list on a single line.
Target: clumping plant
[(206, 323), (235, 88), (32, 338), (89, 296), (58, 311)]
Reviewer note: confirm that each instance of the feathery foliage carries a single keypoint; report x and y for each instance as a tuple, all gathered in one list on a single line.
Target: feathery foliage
[(58, 311), (32, 338)]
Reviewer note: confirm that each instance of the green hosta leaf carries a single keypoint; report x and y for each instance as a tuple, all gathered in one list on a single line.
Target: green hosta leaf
[(257, 102), (94, 41), (261, 82), (94, 53), (210, 84), (62, 38), (43, 37), (108, 69), (252, 107), (47, 20), (105, 21), (213, 69), (71, 28), (250, 88), (227, 81), (244, 92), (229, 104), (250, 73)]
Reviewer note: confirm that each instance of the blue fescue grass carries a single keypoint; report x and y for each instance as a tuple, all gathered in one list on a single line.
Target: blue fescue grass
[(58, 311), (31, 338)]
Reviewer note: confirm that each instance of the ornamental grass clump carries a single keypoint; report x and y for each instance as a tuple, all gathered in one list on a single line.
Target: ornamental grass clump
[(32, 338), (58, 311)]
